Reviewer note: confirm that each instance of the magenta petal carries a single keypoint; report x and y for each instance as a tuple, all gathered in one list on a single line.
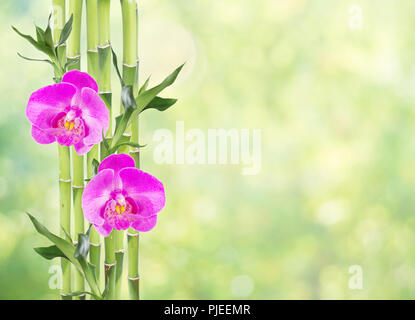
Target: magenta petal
[(41, 136), (146, 190), (45, 103), (97, 192), (82, 148), (104, 230), (144, 224), (117, 162), (95, 115), (80, 80)]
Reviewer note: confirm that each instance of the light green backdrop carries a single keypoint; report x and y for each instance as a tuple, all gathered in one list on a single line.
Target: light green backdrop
[(336, 109)]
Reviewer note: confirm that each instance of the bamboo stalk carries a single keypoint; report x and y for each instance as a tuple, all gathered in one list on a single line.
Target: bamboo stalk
[(64, 159), (104, 53), (74, 52), (128, 9), (93, 67), (130, 59)]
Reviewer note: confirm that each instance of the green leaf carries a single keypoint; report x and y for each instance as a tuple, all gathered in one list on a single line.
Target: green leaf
[(160, 104), (105, 142), (39, 46), (147, 96), (95, 165), (66, 31), (79, 293), (127, 98), (50, 252), (48, 36), (118, 121), (115, 63), (66, 247), (37, 60), (82, 248), (40, 35), (72, 62), (144, 86), (130, 144), (67, 234)]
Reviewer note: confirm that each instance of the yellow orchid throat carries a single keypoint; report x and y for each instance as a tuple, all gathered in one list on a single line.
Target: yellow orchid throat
[(69, 125), (119, 209)]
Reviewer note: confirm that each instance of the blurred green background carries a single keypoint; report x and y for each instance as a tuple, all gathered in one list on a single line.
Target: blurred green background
[(335, 106)]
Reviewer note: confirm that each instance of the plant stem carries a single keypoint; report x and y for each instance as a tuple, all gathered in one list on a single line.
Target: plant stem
[(64, 158), (65, 214), (74, 40), (73, 52), (110, 265), (130, 71), (104, 53), (93, 67), (128, 9)]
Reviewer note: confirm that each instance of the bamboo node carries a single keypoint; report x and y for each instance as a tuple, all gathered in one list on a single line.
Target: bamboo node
[(95, 244), (134, 279), (107, 45), (133, 234), (129, 65), (120, 251), (65, 180), (74, 57), (77, 187)]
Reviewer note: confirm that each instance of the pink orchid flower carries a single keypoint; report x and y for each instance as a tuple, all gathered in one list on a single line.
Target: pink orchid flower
[(121, 196), (71, 113)]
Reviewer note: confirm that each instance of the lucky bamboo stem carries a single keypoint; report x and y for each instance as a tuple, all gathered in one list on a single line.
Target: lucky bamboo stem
[(64, 158), (128, 8), (130, 70), (104, 52), (74, 52), (93, 67)]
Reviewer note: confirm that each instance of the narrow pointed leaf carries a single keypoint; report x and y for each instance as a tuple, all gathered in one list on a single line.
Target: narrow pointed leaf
[(115, 63), (160, 104), (39, 46), (147, 96), (50, 252), (66, 31)]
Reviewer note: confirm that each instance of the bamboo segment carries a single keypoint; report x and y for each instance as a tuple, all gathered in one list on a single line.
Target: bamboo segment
[(104, 53), (130, 74), (65, 214), (64, 158), (93, 69), (73, 53), (110, 265), (74, 40)]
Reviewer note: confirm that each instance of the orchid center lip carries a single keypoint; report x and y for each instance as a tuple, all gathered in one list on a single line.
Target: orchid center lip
[(120, 208), (69, 125)]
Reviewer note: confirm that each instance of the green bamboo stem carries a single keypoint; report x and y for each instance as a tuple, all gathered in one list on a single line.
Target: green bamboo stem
[(93, 68), (74, 41), (104, 53), (130, 71), (128, 9), (65, 214), (64, 159), (73, 53)]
